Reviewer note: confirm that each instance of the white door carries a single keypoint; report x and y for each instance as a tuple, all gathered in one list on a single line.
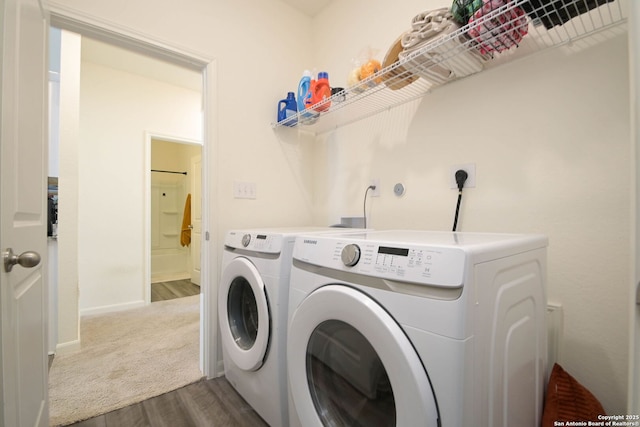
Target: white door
[(23, 220), (350, 363), (196, 217)]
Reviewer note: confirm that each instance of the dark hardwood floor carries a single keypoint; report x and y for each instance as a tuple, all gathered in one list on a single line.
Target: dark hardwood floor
[(162, 291), (206, 403)]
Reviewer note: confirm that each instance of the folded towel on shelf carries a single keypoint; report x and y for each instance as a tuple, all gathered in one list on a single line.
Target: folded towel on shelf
[(498, 25), (558, 12), (185, 230), (448, 55), (426, 26), (397, 76)]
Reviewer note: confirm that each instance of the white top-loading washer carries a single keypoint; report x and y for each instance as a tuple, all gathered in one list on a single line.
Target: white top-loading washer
[(252, 306), (406, 328)]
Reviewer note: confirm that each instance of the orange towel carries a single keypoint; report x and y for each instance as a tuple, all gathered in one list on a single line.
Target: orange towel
[(185, 235)]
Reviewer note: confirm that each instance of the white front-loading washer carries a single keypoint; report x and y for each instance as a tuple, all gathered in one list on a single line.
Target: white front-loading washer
[(253, 298), (408, 328)]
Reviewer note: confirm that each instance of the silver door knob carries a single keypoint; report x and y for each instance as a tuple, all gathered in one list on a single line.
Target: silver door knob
[(26, 259)]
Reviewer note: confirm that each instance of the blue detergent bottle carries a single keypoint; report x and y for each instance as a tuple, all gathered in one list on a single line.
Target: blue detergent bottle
[(288, 108), (307, 117)]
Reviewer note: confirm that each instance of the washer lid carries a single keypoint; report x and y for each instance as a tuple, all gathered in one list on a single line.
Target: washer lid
[(244, 314), (343, 346)]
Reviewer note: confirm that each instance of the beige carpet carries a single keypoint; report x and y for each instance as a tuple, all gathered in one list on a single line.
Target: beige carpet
[(126, 357)]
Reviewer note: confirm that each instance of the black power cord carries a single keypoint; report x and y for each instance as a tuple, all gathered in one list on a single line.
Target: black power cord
[(461, 178), (371, 187)]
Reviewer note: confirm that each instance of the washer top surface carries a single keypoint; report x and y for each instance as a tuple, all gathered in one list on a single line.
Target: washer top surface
[(286, 230), (468, 240), (270, 240)]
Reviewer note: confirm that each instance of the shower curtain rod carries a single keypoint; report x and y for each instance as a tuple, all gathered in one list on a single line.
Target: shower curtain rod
[(156, 170)]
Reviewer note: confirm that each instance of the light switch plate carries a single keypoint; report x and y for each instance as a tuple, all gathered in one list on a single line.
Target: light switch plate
[(244, 190)]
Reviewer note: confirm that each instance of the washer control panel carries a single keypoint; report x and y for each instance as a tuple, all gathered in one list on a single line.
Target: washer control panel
[(433, 265), (256, 242)]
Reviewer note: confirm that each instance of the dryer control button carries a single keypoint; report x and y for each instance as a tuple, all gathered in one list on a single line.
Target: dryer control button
[(350, 255), (246, 239)]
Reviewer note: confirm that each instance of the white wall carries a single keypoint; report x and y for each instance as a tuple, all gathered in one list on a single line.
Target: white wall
[(550, 139), (68, 183), (117, 108), (259, 57)]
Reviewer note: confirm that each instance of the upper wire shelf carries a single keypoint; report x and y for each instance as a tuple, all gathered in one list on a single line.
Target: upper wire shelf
[(503, 32)]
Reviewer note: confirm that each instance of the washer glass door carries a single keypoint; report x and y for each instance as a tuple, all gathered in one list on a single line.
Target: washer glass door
[(350, 363), (244, 314), (347, 380)]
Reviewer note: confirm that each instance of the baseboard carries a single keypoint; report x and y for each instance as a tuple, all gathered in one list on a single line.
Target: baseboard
[(67, 347), (112, 308)]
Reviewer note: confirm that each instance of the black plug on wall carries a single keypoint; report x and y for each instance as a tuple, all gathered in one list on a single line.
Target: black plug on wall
[(461, 178)]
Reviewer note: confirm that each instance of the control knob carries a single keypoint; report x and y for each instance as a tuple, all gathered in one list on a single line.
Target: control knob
[(246, 239), (350, 255)]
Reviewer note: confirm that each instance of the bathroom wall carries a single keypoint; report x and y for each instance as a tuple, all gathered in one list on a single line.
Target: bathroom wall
[(549, 136), (169, 259)]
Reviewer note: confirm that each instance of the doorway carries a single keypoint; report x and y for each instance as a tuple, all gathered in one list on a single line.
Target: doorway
[(206, 67), (121, 95), (175, 217), (110, 176)]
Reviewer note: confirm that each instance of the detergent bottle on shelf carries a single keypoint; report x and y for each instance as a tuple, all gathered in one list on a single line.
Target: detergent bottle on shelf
[(304, 90), (305, 94), (288, 108), (321, 91)]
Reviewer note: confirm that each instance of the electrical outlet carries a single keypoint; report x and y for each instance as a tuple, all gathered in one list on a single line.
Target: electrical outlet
[(376, 192), (470, 169)]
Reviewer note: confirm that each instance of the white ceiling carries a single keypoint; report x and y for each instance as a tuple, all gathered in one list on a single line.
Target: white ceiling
[(118, 58), (308, 7)]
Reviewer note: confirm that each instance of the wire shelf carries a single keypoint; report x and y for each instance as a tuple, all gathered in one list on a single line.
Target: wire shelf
[(510, 30)]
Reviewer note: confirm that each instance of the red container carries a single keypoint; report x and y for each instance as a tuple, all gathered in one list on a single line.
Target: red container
[(320, 90)]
